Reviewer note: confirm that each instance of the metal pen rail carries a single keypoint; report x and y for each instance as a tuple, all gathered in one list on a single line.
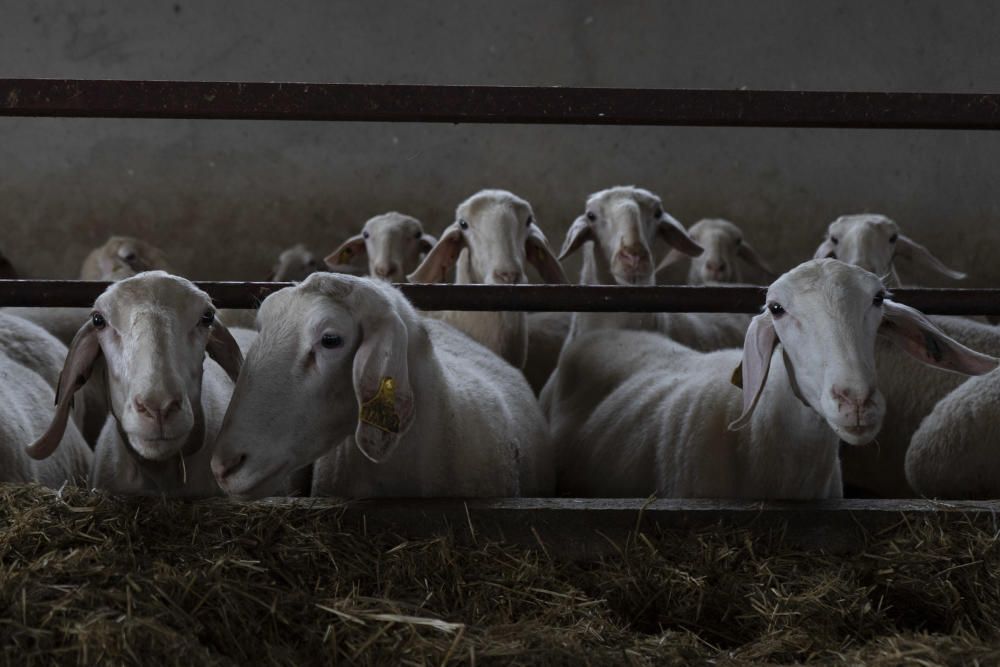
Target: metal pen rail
[(90, 98), (567, 298)]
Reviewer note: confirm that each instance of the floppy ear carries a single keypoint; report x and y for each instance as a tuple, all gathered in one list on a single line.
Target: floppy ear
[(382, 386), (83, 352), (674, 234), (578, 234), (348, 250), (536, 247), (750, 256), (825, 249), (223, 348), (758, 347), (440, 258), (671, 258), (918, 254), (427, 242), (923, 341)]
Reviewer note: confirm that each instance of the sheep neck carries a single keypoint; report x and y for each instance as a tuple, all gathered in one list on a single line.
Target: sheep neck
[(596, 270)]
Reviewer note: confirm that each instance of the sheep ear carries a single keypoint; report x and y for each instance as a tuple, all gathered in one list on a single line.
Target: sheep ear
[(427, 242), (825, 249), (758, 347), (919, 338), (674, 234), (579, 233), (382, 386), (536, 247), (671, 258), (440, 258), (918, 254), (224, 349), (83, 352), (750, 256), (348, 250)]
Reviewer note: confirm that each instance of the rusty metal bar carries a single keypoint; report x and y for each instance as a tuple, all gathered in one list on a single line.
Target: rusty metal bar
[(567, 298), (496, 104)]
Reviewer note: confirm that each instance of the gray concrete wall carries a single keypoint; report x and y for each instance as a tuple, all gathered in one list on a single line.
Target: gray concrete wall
[(223, 197)]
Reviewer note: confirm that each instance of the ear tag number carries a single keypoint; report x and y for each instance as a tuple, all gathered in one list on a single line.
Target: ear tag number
[(380, 410)]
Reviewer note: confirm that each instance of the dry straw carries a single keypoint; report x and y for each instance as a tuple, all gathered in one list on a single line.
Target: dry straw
[(90, 579)]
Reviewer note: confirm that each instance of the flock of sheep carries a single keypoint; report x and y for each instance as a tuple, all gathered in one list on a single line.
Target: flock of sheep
[(339, 386)]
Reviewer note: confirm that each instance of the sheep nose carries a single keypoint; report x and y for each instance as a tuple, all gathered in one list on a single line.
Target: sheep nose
[(507, 277), (159, 409), (385, 270), (632, 256), (224, 468), (715, 267), (853, 397)]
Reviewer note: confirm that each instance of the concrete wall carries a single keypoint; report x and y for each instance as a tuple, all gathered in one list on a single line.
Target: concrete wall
[(223, 197)]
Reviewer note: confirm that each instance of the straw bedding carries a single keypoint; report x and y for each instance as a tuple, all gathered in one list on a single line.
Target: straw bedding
[(88, 578)]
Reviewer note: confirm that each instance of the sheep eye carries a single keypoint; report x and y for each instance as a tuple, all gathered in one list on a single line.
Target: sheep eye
[(878, 299), (893, 238), (591, 216), (531, 219), (207, 318), (658, 213), (130, 257), (739, 241), (418, 235), (365, 235), (331, 341), (834, 240), (777, 310), (98, 320), (462, 223)]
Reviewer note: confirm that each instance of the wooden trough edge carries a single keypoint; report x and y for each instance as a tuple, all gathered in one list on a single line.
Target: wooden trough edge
[(588, 528)]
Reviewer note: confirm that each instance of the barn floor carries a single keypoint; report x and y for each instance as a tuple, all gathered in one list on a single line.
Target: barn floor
[(86, 578)]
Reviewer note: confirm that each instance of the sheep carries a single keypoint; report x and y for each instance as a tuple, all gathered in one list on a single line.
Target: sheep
[(166, 400), (492, 236), (873, 242), (122, 257), (399, 403), (953, 452), (615, 233), (726, 250), (294, 263), (32, 346), (26, 400), (393, 243), (911, 391), (637, 413)]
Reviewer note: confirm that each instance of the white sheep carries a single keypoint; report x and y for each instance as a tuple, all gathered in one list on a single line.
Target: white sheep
[(167, 400), (953, 452), (726, 250), (615, 233), (911, 391), (636, 413), (26, 401), (873, 242), (399, 404), (494, 234), (294, 263), (122, 257), (393, 244)]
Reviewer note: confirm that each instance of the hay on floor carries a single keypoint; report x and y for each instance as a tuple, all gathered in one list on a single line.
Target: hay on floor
[(88, 578)]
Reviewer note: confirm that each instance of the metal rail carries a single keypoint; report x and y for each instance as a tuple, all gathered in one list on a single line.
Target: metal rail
[(89, 98), (566, 298)]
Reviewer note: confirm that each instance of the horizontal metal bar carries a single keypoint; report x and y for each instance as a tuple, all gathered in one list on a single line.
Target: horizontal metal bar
[(496, 104), (584, 528), (565, 298)]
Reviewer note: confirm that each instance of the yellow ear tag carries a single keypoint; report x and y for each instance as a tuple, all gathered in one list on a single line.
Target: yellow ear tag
[(737, 377), (380, 410)]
